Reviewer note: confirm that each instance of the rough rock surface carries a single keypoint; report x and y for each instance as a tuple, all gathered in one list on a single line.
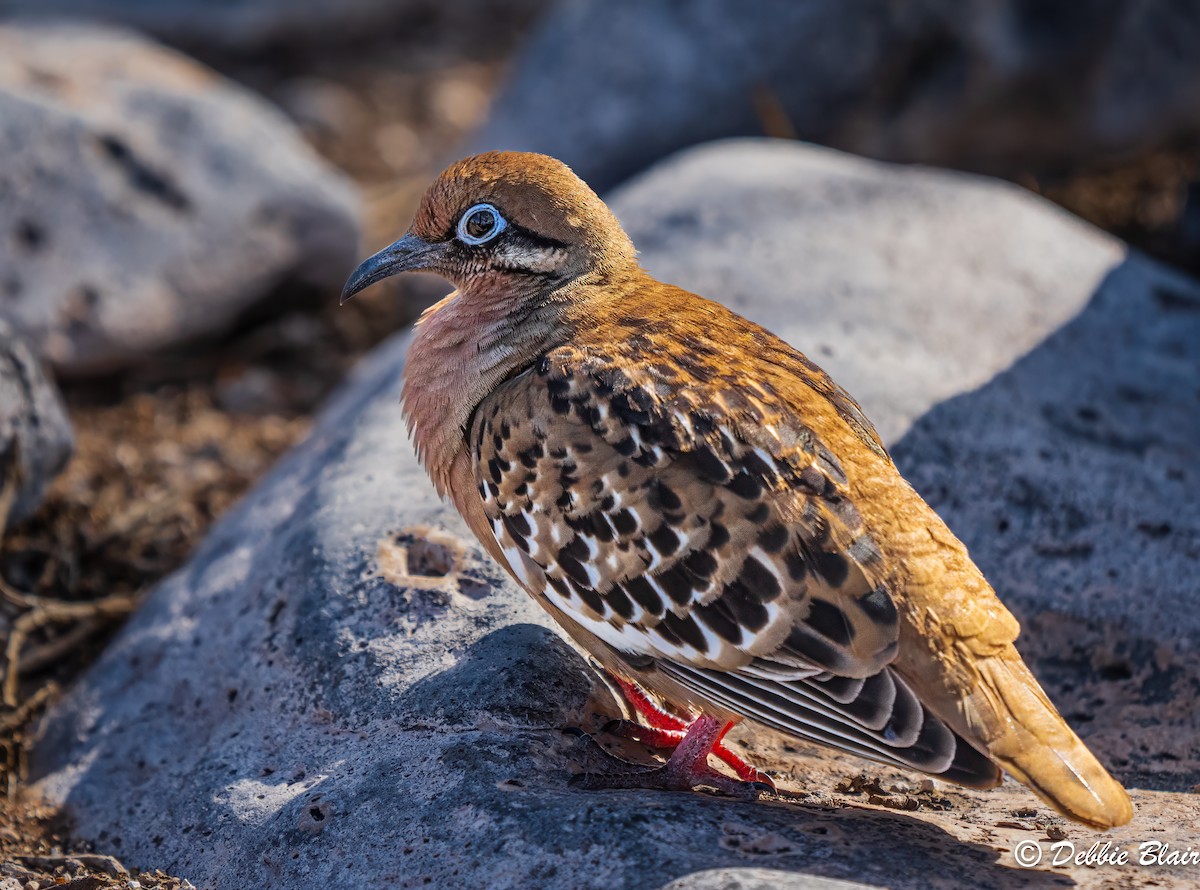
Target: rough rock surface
[(35, 433), (340, 690), (248, 25), (144, 200), (994, 85)]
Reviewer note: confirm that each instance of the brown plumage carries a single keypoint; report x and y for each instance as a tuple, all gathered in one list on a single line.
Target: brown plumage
[(698, 505)]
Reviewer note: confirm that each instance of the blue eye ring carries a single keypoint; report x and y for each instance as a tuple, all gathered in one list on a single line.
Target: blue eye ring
[(466, 223)]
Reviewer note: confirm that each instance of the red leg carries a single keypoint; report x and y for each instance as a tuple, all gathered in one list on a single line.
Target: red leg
[(686, 769), (744, 771), (649, 736), (665, 730), (655, 716)]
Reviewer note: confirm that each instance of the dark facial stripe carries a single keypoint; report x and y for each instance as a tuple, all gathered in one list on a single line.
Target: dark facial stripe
[(536, 239)]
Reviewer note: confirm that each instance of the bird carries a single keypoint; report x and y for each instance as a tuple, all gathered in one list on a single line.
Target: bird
[(701, 508)]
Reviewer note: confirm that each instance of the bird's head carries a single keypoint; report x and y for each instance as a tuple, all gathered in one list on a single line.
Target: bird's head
[(512, 222)]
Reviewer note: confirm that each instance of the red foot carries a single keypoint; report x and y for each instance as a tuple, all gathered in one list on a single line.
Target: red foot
[(665, 730)]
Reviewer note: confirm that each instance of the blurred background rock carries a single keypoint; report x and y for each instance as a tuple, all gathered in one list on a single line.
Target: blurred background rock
[(185, 183), (1095, 102)]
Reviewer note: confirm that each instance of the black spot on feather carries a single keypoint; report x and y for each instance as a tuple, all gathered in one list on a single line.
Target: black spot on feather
[(701, 564), (589, 596), (676, 583), (760, 579), (709, 466), (645, 595), (878, 606), (745, 486), (624, 522), (717, 616), (578, 548), (719, 537), (686, 630), (530, 456), (796, 567), (661, 497), (828, 620), (833, 567), (619, 602), (665, 540), (572, 568), (745, 605), (773, 538)]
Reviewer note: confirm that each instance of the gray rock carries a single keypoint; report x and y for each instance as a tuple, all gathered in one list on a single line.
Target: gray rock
[(145, 200), (1000, 86), (908, 287), (341, 688), (35, 432), (250, 25)]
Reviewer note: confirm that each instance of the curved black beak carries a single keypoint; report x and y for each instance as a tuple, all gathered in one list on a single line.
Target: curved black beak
[(409, 254)]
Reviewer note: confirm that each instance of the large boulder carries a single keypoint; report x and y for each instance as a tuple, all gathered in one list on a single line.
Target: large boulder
[(340, 688), (248, 26), (35, 432), (1001, 86), (146, 200)]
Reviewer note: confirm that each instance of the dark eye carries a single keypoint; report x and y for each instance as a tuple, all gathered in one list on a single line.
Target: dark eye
[(480, 223)]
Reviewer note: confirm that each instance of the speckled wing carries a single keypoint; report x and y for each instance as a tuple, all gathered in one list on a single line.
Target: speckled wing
[(704, 526)]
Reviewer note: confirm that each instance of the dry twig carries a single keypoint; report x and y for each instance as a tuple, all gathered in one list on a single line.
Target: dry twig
[(44, 611)]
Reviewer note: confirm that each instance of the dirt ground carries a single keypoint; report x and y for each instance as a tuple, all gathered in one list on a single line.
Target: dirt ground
[(161, 453)]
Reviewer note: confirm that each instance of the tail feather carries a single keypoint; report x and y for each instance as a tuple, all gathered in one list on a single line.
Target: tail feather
[(1024, 733)]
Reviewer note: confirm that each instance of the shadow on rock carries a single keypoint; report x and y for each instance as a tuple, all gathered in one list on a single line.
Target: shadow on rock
[(492, 774), (521, 676)]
